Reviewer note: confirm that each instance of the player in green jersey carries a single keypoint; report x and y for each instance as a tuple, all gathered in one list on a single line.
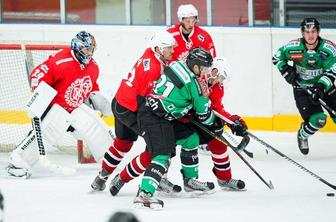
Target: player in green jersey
[(314, 68), (175, 94)]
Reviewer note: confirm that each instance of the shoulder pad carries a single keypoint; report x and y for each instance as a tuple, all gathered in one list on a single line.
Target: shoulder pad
[(330, 46)]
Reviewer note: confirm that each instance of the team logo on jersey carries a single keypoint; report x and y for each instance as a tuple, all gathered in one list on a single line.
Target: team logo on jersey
[(78, 91), (189, 44), (201, 37), (146, 64), (296, 57)]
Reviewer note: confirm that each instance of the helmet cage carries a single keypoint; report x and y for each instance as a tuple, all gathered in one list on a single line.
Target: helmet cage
[(83, 45)]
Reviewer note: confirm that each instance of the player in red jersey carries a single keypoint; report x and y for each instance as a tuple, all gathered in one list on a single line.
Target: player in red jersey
[(218, 150), (139, 83), (72, 75), (188, 34)]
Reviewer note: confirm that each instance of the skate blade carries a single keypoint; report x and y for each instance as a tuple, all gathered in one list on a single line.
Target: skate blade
[(21, 177), (170, 194), (230, 189), (195, 194), (152, 206)]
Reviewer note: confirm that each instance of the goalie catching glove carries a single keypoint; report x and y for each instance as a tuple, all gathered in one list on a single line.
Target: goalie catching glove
[(239, 128), (98, 102)]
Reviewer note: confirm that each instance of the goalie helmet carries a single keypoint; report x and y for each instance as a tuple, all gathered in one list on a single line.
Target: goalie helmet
[(185, 11), (200, 57), (83, 45), (310, 23), (162, 40)]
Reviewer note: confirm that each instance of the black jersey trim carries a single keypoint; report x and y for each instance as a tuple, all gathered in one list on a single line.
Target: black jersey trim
[(177, 82)]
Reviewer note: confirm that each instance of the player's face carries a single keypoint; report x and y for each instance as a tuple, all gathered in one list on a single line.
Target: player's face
[(167, 53), (310, 36), (188, 24), (204, 70), (214, 76), (87, 51)]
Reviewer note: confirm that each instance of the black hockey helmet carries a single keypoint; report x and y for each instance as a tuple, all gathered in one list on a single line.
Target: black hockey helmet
[(199, 56), (310, 23)]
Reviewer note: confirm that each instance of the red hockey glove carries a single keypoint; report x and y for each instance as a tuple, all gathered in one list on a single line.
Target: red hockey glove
[(239, 127)]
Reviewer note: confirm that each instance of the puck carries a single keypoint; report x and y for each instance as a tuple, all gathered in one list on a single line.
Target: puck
[(330, 194)]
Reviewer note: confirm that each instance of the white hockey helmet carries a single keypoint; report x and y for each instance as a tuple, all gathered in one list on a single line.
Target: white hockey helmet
[(162, 40), (223, 68), (186, 11)]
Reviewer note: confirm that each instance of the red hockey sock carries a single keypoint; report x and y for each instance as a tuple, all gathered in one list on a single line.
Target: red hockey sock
[(115, 154), (220, 158), (136, 167)]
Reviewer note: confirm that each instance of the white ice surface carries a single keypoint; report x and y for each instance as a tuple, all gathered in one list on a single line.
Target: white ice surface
[(297, 195)]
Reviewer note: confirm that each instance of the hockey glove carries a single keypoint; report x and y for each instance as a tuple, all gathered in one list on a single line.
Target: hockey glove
[(217, 126), (317, 93), (289, 73), (239, 127)]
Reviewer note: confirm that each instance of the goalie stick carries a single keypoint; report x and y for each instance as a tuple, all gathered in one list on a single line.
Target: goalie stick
[(223, 140), (36, 122), (283, 155)]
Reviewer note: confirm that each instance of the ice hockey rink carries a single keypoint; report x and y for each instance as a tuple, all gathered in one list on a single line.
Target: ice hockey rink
[(297, 196)]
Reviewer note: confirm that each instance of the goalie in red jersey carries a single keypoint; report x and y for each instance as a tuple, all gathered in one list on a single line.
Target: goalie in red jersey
[(61, 85)]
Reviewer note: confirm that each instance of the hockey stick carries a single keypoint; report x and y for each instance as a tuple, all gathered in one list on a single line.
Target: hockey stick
[(284, 156), (239, 146), (248, 153), (223, 140)]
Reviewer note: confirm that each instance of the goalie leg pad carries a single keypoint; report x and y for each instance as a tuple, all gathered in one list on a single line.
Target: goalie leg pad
[(55, 124), (23, 158), (92, 129)]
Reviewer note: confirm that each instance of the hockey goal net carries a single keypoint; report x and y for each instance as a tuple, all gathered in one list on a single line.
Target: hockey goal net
[(16, 62)]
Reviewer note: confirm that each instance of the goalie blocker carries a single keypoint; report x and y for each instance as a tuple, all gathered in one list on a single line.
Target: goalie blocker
[(83, 123)]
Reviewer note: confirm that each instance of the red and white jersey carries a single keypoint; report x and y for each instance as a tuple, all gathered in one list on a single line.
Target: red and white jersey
[(216, 94), (197, 38), (140, 81), (73, 81)]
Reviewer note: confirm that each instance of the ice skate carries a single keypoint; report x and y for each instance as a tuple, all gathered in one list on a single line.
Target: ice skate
[(232, 184), (168, 188), (196, 186), (116, 185), (302, 143), (146, 200), (99, 182)]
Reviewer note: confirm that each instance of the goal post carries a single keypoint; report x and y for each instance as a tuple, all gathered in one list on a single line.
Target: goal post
[(16, 62)]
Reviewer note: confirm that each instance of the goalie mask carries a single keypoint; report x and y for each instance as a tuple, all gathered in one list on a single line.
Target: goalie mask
[(201, 58), (83, 46)]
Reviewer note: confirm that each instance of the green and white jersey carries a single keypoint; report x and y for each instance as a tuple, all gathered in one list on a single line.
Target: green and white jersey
[(179, 91), (311, 65)]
